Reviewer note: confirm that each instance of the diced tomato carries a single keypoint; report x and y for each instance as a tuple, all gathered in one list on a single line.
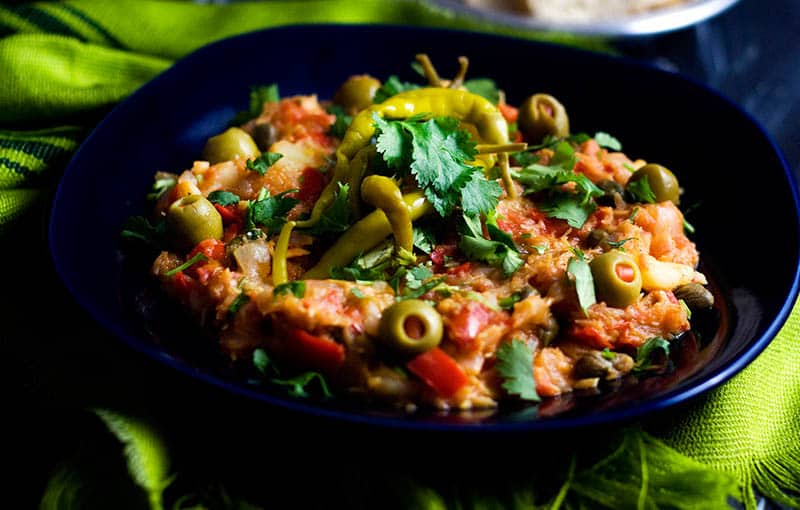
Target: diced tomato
[(229, 213), (464, 268), (439, 371), (182, 284), (312, 183), (211, 248), (440, 252), (509, 112), (231, 231), (467, 322), (314, 352), (590, 336), (206, 271)]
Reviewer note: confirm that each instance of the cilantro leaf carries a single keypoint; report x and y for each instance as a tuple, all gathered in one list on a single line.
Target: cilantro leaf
[(223, 198), (584, 283), (646, 352), (640, 190), (484, 87), (569, 207), (261, 164), (424, 239), (238, 302), (271, 211), (493, 252), (259, 95), (160, 186), (139, 229), (417, 281), (392, 86), (607, 141), (342, 122), (507, 303), (297, 384), (337, 217), (497, 234), (261, 361), (515, 366), (370, 266), (186, 265), (297, 288), (437, 153), (524, 158)]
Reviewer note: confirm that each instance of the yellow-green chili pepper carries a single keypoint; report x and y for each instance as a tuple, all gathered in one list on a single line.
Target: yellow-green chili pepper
[(358, 169), (490, 124), (280, 273), (383, 193), (364, 235)]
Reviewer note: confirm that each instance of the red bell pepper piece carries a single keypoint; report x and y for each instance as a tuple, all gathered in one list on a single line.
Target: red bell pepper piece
[(314, 352), (229, 213), (439, 371), (211, 248)]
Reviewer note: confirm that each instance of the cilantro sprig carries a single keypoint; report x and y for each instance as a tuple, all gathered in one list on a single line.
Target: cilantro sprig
[(337, 217), (223, 198), (515, 366), (270, 211), (584, 283), (259, 95), (391, 87), (499, 251), (297, 288), (647, 352), (298, 386), (437, 152), (262, 163)]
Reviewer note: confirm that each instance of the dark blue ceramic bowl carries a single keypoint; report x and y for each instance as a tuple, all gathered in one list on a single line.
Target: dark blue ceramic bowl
[(747, 220)]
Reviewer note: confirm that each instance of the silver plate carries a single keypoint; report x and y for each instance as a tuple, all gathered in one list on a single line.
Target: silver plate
[(654, 22)]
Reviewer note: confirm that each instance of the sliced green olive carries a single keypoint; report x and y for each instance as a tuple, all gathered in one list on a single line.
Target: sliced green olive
[(541, 115), (228, 145), (356, 93), (410, 327), (617, 279), (663, 182), (192, 219)]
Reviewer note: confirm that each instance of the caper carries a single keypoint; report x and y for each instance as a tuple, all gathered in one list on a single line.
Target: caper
[(548, 332), (265, 134), (356, 93), (192, 219), (229, 145), (663, 182), (592, 364), (617, 279), (695, 296), (541, 115), (410, 327), (613, 193), (597, 237)]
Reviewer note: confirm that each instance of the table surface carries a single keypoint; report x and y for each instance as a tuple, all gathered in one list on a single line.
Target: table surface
[(749, 53)]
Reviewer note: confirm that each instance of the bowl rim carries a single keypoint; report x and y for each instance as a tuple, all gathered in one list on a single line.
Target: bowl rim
[(666, 19), (625, 413)]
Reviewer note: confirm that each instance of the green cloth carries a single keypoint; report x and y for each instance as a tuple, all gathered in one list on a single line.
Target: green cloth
[(64, 64)]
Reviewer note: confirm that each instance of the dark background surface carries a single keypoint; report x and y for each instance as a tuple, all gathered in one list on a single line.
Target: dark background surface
[(56, 361)]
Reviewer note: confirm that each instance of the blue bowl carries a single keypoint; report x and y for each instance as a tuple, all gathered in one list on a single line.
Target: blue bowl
[(725, 161)]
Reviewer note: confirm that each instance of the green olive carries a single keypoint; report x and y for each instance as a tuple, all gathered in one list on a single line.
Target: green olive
[(410, 327), (356, 93), (663, 182), (228, 145), (192, 219), (541, 115), (617, 279)]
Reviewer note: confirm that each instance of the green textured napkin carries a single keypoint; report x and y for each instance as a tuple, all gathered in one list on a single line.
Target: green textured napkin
[(62, 65)]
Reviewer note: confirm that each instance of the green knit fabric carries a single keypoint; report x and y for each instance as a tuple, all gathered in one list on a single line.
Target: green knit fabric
[(62, 64)]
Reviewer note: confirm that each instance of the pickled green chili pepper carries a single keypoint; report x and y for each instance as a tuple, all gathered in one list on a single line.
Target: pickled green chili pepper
[(364, 235), (490, 124), (280, 273), (383, 193), (358, 168)]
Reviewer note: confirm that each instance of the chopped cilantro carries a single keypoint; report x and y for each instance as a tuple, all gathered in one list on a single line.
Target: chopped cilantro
[(584, 283), (186, 265), (392, 86), (507, 303), (496, 233), (223, 198), (271, 211), (569, 207), (646, 352), (540, 249), (484, 87), (297, 385), (634, 212), (370, 266), (297, 288), (607, 141), (618, 244), (640, 190), (357, 293), (493, 252), (417, 281), (688, 226), (437, 152), (342, 122), (160, 186), (524, 158), (139, 228), (337, 217), (261, 164), (259, 95), (607, 354), (515, 366), (424, 239), (240, 300)]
